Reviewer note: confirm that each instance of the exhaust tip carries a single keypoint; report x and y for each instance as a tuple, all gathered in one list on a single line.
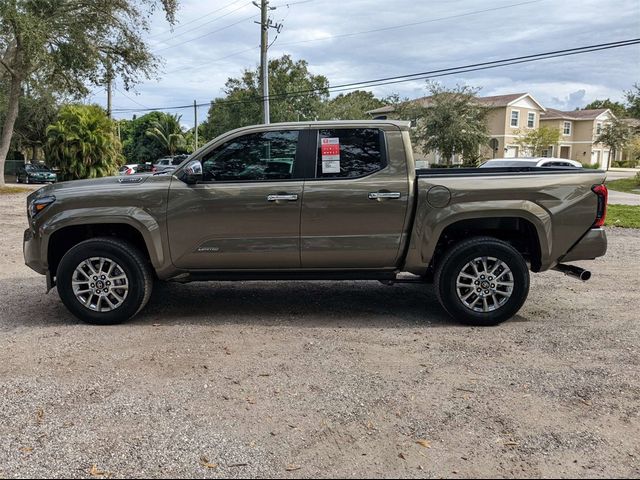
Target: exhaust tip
[(586, 275)]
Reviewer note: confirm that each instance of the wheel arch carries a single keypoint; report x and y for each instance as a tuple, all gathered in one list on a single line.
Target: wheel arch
[(61, 240)]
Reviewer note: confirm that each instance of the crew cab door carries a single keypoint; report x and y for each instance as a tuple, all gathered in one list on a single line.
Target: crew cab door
[(355, 204), (245, 214)]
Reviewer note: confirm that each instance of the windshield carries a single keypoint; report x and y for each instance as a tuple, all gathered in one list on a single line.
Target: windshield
[(38, 168)]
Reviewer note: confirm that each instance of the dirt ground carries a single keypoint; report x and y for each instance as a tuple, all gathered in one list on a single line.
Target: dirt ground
[(304, 379)]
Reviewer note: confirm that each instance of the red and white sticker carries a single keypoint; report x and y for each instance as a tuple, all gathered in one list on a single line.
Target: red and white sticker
[(330, 149)]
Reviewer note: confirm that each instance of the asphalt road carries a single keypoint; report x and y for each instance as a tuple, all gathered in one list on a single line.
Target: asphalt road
[(304, 379)]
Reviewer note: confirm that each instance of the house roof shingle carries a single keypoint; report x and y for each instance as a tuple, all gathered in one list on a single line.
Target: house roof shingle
[(553, 114), (494, 101)]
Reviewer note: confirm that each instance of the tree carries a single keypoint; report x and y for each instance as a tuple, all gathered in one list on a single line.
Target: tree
[(168, 132), (617, 108), (67, 44), (83, 143), (37, 111), (352, 106), (453, 123), (633, 150), (138, 147), (615, 135), (242, 104), (633, 101), (539, 139)]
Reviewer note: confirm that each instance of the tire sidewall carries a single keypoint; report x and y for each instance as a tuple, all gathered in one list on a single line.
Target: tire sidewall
[(453, 266), (117, 253)]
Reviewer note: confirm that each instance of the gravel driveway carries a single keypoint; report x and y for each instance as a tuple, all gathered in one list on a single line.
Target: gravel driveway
[(304, 379)]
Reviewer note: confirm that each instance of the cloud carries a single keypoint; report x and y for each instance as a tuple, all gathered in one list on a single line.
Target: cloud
[(437, 35)]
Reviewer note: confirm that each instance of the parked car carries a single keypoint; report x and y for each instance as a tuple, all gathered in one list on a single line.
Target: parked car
[(35, 173), (548, 162), (136, 168), (345, 202), (169, 163)]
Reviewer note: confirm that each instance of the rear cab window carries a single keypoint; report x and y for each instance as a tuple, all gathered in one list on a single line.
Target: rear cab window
[(350, 152)]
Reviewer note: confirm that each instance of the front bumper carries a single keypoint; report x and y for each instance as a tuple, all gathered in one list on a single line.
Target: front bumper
[(32, 251), (592, 245)]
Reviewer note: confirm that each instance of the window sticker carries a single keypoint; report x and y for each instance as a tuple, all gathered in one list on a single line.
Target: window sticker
[(330, 148)]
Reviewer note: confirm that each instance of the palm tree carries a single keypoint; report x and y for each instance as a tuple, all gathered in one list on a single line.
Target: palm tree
[(167, 130), (83, 143)]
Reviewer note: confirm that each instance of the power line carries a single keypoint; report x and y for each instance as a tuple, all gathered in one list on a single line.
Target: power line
[(127, 96), (412, 24), (173, 37), (195, 19), (224, 28), (475, 12), (206, 34), (191, 70), (428, 74)]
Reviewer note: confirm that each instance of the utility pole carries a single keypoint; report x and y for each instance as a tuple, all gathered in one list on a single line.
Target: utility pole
[(109, 78), (195, 124), (265, 23), (109, 96)]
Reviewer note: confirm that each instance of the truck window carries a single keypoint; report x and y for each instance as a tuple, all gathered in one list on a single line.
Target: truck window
[(253, 157), (350, 152)]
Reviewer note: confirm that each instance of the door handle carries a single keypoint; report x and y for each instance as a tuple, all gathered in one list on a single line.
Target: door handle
[(384, 195), (282, 197)]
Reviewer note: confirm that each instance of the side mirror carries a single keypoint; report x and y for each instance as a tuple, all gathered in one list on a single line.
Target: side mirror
[(192, 172)]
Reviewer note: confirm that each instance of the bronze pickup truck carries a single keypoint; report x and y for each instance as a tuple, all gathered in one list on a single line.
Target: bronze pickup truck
[(315, 201)]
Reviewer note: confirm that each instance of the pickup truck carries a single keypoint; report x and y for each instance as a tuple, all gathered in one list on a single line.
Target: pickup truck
[(315, 201)]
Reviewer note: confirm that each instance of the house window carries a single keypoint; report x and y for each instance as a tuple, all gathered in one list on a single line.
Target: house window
[(566, 130), (531, 120), (598, 128), (515, 118)]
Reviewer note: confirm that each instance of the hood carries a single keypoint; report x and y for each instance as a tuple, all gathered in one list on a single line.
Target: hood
[(103, 187)]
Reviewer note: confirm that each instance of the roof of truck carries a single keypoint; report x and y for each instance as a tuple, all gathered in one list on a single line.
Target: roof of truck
[(401, 124)]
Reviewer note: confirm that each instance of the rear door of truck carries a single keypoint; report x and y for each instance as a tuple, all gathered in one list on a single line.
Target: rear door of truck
[(356, 197)]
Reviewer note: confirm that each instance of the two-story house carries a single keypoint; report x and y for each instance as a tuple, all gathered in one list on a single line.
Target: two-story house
[(509, 116), (579, 132)]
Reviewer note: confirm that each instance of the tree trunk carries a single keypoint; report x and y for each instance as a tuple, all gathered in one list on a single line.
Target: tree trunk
[(15, 90)]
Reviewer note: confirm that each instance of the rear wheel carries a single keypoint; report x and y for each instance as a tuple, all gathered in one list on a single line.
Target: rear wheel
[(104, 281), (482, 281)]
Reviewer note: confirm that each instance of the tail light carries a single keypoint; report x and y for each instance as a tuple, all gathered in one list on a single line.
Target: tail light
[(129, 171), (603, 195)]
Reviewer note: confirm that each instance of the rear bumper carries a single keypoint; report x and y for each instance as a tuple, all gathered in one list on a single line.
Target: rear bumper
[(592, 245)]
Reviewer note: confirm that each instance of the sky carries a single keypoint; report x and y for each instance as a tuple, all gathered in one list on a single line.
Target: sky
[(355, 40)]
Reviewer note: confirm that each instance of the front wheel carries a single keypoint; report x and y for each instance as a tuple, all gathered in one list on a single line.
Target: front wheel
[(104, 281), (482, 281)]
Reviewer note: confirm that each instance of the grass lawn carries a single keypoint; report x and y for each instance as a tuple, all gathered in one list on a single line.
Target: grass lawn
[(626, 216), (625, 185), (10, 190)]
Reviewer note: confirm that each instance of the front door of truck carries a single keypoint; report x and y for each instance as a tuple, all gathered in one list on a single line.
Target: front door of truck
[(354, 207), (245, 214)]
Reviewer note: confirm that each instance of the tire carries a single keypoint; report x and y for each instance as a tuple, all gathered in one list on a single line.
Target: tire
[(484, 260), (114, 303)]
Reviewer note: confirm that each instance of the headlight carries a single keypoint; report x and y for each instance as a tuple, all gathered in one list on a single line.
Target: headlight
[(40, 204)]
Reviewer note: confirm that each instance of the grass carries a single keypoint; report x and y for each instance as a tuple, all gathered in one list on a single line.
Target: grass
[(625, 185), (625, 216), (12, 190)]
